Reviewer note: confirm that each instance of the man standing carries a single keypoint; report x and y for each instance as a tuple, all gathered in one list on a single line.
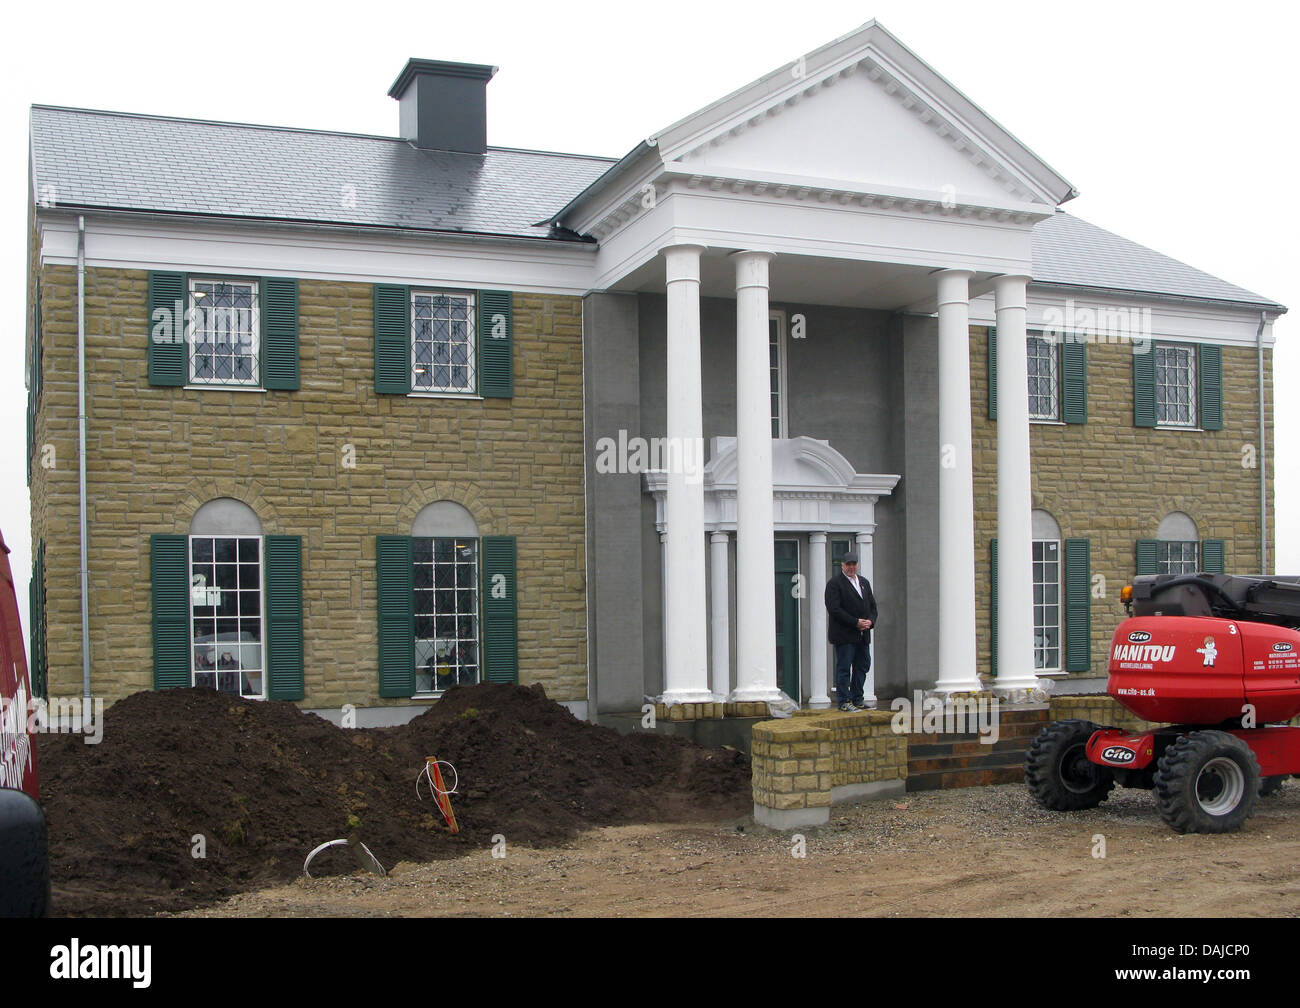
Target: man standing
[(851, 609)]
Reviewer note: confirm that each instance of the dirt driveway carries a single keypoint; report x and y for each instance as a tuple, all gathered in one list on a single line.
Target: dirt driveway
[(968, 852)]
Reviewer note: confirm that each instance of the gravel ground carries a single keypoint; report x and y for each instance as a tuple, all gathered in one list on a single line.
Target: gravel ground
[(965, 852)]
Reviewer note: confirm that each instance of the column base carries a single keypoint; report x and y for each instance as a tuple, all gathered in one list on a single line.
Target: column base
[(756, 694), (1029, 689), (957, 687), (819, 703), (687, 697)]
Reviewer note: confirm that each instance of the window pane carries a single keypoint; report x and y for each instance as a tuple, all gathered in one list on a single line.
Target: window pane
[(442, 342)]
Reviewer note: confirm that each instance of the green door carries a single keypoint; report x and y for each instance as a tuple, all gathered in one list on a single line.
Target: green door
[(787, 617)]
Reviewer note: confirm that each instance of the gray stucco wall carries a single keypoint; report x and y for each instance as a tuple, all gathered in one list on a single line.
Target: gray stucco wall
[(611, 392)]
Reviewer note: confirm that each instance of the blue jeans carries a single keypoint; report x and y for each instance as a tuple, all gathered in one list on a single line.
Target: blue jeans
[(849, 689)]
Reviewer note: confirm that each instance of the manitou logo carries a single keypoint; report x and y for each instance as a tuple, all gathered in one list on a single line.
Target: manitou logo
[(1139, 637), (1144, 652), (1281, 647), (1118, 754)]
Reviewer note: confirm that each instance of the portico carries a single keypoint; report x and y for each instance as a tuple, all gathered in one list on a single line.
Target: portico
[(858, 180)]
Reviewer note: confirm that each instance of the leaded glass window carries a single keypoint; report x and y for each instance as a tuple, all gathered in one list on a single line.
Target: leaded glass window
[(1044, 381), (1176, 385), (224, 333), (442, 342)]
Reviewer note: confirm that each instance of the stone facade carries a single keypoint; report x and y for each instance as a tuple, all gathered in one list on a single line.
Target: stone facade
[(156, 454), (1111, 482)]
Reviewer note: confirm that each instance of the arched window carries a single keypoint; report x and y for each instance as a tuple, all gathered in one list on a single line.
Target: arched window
[(227, 633), (444, 547), (1047, 592), (1177, 545), (447, 609)]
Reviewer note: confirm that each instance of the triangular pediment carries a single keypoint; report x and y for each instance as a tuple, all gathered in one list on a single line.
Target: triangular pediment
[(862, 113)]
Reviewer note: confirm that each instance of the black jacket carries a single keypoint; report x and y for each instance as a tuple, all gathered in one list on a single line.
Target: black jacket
[(844, 607)]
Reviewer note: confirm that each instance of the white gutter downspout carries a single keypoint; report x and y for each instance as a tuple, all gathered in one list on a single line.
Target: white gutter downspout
[(1263, 453), (81, 452)]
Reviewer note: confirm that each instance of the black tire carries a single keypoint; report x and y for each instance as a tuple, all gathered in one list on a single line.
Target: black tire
[(1208, 782), (1058, 772), (1271, 785)]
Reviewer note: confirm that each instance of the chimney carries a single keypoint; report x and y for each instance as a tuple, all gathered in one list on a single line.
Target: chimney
[(443, 106)]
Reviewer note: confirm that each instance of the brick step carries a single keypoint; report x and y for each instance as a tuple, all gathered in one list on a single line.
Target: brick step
[(974, 760), (965, 778), (967, 744), (934, 743)]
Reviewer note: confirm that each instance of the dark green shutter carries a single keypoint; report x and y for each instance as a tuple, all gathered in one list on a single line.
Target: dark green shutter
[(993, 373), (1074, 382), (1144, 388), (393, 347), (1078, 606), (279, 333), (500, 611), (993, 607), (170, 576), (1147, 557), (37, 664), (395, 564), (168, 304), (1212, 556), (496, 344), (284, 646), (1210, 368)]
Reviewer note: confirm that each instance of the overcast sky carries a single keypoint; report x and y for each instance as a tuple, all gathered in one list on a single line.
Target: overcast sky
[(1176, 122)]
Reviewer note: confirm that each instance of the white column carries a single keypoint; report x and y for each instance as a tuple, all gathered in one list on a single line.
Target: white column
[(663, 596), (1015, 535), (686, 664), (957, 668), (755, 553), (867, 568), (818, 666), (720, 627)]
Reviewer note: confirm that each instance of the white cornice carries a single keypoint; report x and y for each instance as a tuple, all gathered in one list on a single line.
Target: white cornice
[(121, 242), (816, 190)]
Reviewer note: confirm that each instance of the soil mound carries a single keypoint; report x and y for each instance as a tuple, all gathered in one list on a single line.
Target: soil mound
[(192, 795)]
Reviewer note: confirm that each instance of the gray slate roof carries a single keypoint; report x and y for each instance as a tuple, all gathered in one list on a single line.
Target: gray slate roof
[(1067, 250), (184, 166), (157, 164)]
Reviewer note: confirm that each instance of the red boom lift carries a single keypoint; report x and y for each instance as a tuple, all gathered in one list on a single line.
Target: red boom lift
[(1218, 657)]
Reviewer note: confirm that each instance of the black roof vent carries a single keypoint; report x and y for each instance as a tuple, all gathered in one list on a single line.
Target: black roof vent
[(443, 106)]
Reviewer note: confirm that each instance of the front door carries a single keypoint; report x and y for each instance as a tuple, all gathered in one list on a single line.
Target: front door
[(787, 617)]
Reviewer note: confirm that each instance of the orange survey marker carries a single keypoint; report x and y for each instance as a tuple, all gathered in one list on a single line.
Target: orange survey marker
[(441, 793)]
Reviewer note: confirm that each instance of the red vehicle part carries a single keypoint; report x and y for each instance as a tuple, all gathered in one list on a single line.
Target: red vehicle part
[(1277, 747), (17, 745), (1205, 670), (1113, 747)]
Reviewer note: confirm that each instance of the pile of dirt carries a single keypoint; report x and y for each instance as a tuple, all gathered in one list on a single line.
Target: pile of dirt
[(192, 795)]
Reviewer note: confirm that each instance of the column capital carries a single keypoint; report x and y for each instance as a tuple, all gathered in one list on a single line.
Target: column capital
[(682, 262), (751, 268), (954, 286), (719, 537), (817, 538), (1009, 290)]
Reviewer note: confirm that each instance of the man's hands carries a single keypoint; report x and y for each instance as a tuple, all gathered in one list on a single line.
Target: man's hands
[(864, 624)]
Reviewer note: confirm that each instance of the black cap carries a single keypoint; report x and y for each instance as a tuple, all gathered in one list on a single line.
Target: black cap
[(849, 558)]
